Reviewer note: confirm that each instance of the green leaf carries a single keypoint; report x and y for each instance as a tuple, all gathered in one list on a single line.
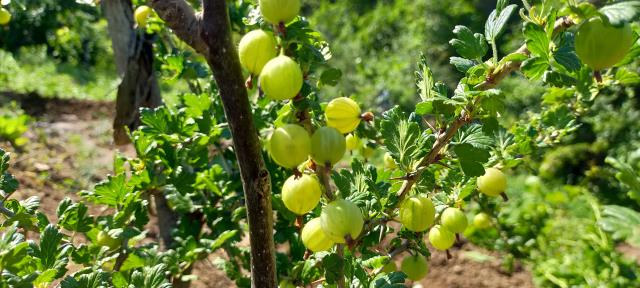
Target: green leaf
[(621, 12), (330, 77), (566, 55), (111, 191), (472, 159), (537, 40), (74, 217), (402, 137), (625, 76), (424, 79), (623, 223), (535, 67), (96, 279), (627, 176), (222, 239), (391, 280), (462, 64), (150, 277), (497, 21), (49, 246), (424, 108), (468, 44), (45, 277), (333, 265), (474, 136)]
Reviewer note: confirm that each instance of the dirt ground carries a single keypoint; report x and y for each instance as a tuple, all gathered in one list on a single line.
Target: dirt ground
[(70, 149)]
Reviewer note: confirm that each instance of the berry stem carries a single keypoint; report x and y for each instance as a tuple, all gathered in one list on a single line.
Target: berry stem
[(504, 196), (598, 75)]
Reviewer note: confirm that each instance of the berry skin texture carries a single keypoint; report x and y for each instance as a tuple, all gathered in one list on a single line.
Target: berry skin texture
[(5, 16), (415, 266), (482, 221), (353, 142), (256, 48), (141, 15), (389, 162), (104, 239), (417, 213), (314, 238), (492, 183), (289, 145), (441, 238), (279, 11), (341, 218), (601, 45), (454, 220), (301, 195), (281, 78), (343, 114), (390, 267), (327, 146)]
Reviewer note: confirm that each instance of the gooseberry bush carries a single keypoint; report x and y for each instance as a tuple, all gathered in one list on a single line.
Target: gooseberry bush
[(354, 192)]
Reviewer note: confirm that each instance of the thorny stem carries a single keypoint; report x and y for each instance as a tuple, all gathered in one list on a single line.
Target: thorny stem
[(466, 117)]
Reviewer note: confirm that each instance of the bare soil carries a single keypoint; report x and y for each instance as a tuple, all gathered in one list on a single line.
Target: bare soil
[(70, 149)]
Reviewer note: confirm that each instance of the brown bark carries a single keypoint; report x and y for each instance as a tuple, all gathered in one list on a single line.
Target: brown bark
[(139, 88), (213, 40), (133, 53)]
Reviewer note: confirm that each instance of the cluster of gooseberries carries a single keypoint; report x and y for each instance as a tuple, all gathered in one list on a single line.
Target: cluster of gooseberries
[(418, 214), (293, 146), (301, 149)]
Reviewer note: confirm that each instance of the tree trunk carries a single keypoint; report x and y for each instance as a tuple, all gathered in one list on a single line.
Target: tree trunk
[(210, 35), (133, 52)]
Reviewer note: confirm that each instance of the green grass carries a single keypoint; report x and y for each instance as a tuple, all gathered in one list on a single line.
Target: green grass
[(32, 70)]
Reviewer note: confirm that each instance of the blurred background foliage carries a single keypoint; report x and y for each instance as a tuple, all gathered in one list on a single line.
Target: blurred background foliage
[(60, 48)]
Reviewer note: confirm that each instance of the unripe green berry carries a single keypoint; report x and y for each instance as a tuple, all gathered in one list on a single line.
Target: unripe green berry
[(492, 183), (256, 48), (441, 238), (314, 238), (281, 78), (328, 146), (279, 11), (343, 114), (340, 219), (141, 15), (389, 162), (390, 267), (353, 142), (454, 220), (5, 16), (417, 213), (482, 221), (300, 195), (601, 45), (104, 239), (289, 145), (416, 267)]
